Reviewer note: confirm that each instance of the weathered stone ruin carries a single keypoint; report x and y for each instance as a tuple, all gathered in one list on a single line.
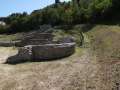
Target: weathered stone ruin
[(40, 46), (35, 39)]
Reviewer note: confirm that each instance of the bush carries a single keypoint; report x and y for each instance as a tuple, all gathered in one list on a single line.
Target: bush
[(70, 13), (3, 29)]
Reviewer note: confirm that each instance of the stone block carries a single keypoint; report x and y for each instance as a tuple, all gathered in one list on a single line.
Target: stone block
[(42, 52), (24, 54)]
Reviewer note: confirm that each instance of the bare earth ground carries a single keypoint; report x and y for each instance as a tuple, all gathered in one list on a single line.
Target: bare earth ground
[(73, 73), (6, 52), (77, 72)]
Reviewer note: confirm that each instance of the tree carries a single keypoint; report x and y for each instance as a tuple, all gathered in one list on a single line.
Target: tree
[(76, 2), (50, 16), (57, 1)]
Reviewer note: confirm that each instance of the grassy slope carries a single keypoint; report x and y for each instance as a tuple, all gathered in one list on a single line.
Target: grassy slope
[(106, 41)]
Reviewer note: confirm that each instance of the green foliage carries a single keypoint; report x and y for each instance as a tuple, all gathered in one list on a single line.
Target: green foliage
[(50, 16), (74, 12), (3, 29)]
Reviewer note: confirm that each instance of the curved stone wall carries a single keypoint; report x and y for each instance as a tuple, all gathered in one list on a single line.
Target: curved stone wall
[(52, 51), (42, 52)]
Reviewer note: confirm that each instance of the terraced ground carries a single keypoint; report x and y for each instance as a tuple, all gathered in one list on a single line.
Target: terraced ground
[(91, 68)]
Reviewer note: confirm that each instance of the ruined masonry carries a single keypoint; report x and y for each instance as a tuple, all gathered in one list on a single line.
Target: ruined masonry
[(40, 46)]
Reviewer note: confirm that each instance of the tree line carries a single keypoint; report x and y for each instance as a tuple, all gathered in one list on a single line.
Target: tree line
[(65, 13)]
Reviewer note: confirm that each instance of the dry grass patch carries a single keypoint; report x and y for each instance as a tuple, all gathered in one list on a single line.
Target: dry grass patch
[(6, 52), (58, 75), (106, 41)]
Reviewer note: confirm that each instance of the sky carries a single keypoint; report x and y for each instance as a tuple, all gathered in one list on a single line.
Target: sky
[(12, 6)]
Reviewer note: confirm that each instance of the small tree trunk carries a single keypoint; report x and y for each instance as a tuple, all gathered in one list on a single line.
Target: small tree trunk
[(81, 38)]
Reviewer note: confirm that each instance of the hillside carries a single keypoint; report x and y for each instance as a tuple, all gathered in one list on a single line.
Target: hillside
[(105, 44), (95, 67), (105, 40)]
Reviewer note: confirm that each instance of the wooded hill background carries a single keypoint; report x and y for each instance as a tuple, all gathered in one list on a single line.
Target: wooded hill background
[(65, 13)]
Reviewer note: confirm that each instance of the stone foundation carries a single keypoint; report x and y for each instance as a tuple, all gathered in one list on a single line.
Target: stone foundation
[(42, 52), (24, 54), (37, 46), (52, 51), (35, 38)]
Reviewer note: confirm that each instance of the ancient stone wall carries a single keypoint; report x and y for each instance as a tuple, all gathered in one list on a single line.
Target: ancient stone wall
[(38, 35), (24, 54), (42, 52), (37, 47), (31, 39), (34, 42), (9, 43), (52, 51)]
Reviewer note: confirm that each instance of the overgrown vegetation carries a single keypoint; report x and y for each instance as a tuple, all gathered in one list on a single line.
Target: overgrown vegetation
[(70, 13)]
